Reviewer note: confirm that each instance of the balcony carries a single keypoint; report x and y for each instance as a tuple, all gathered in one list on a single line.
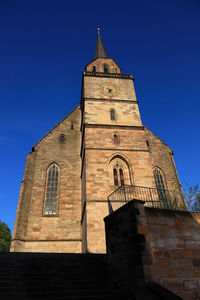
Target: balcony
[(156, 198)]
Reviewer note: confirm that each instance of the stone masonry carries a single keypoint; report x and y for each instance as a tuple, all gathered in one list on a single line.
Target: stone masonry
[(85, 161)]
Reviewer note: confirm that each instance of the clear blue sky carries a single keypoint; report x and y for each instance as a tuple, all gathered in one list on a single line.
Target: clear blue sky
[(44, 47)]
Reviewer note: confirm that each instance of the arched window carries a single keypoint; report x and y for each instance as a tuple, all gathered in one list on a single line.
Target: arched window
[(51, 190), (72, 126), (106, 68), (115, 177), (121, 174), (159, 179), (112, 115), (62, 138), (161, 188), (116, 138), (94, 69)]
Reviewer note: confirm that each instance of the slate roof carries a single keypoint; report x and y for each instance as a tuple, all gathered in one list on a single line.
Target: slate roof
[(100, 50)]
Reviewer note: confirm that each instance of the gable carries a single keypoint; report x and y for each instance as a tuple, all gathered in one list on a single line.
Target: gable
[(148, 132), (73, 117)]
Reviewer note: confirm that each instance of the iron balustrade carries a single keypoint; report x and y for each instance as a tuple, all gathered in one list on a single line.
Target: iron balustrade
[(102, 74), (153, 197)]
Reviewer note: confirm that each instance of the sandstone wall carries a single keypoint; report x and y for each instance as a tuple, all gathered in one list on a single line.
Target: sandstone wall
[(168, 242), (123, 88), (23, 208), (172, 256), (99, 64), (162, 156), (98, 112), (64, 227)]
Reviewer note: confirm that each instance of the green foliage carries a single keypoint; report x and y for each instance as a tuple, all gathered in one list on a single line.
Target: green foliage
[(5, 237), (192, 197)]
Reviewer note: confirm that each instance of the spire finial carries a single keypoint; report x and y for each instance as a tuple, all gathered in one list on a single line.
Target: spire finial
[(98, 30)]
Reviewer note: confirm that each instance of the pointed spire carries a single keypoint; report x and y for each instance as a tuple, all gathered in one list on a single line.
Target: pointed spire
[(100, 50)]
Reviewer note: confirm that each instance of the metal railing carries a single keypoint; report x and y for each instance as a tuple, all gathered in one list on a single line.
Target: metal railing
[(153, 197), (102, 74)]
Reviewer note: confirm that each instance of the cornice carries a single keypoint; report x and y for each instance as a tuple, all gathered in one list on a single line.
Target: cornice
[(108, 75), (110, 100), (86, 125), (117, 149), (53, 240)]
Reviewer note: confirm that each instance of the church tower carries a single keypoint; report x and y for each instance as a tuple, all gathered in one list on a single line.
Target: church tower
[(114, 150), (100, 146)]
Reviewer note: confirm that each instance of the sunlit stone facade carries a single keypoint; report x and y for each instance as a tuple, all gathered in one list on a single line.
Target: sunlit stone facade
[(99, 146)]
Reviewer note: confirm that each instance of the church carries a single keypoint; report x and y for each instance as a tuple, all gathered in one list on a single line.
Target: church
[(99, 147)]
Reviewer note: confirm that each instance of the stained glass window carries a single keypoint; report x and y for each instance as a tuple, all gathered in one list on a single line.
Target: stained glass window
[(51, 190)]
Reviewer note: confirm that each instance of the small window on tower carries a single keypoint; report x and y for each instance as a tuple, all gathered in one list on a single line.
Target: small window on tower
[(116, 138), (94, 69), (112, 114), (72, 126), (62, 139), (106, 69)]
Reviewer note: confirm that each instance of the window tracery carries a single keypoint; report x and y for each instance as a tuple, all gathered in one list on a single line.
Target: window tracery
[(51, 190), (160, 185), (159, 179), (120, 171)]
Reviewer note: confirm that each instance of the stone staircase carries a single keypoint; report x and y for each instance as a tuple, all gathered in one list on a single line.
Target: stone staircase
[(30, 276)]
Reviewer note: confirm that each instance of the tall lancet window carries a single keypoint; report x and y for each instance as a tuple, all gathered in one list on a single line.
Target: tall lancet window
[(159, 179), (161, 187), (52, 190), (115, 177), (121, 175)]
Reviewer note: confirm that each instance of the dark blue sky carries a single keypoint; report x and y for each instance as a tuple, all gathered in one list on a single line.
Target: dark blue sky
[(44, 47)]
